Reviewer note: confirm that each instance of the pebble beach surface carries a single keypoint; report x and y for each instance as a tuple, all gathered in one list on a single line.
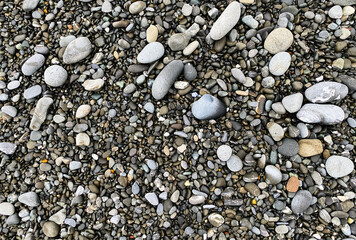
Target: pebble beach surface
[(173, 119)]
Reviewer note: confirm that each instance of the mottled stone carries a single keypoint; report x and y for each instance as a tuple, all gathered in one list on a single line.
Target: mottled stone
[(321, 113), (324, 92)]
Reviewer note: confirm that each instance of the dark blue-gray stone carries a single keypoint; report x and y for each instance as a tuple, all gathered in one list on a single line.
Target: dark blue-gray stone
[(208, 107), (289, 147)]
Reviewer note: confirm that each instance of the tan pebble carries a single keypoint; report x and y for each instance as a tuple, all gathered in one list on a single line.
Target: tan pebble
[(310, 147), (152, 34)]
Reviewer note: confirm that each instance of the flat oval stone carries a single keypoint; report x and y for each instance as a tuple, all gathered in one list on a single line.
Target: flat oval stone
[(324, 92), (29, 5), (216, 219), (7, 147), (310, 147), (82, 111), (321, 113), (208, 107), (152, 198), (301, 201), (190, 73), (77, 50), (33, 64), (9, 110), (93, 84), (166, 78), (289, 147), (196, 199), (234, 163), (279, 40), (151, 52), (55, 76), (6, 209), (273, 174), (82, 139), (227, 20), (32, 92), (30, 199), (279, 63), (224, 152), (338, 166)]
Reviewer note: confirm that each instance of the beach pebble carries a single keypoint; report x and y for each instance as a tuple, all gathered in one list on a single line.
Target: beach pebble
[(29, 5), (50, 229), (77, 50), (289, 147), (137, 7), (30, 199), (321, 113), (32, 92), (190, 73), (150, 53), (279, 40), (279, 63), (152, 34), (276, 131), (216, 219), (224, 152), (33, 64), (324, 92), (9, 110), (338, 166), (234, 163), (208, 107), (7, 147), (82, 139), (40, 113), (6, 209), (292, 103), (152, 198), (178, 41), (273, 174), (310, 147), (335, 12), (93, 84), (82, 111), (301, 201), (55, 76)]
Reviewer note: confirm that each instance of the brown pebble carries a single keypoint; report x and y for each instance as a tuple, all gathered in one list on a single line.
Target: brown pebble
[(293, 184)]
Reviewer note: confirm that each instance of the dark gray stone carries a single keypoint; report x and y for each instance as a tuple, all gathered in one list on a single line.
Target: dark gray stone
[(289, 147)]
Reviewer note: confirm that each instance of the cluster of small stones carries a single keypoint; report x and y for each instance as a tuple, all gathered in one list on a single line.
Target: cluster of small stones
[(173, 119)]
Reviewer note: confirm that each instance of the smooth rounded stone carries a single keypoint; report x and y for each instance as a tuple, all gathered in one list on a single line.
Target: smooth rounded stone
[(321, 113), (166, 78), (6, 209), (279, 63), (13, 220), (268, 82), (13, 85), (77, 50), (253, 189), (324, 92), (152, 198), (33, 64), (137, 7), (301, 201), (190, 73), (178, 41), (196, 199), (276, 131), (250, 21), (234, 163), (289, 147), (188, 50), (29, 5), (40, 113), (208, 107), (349, 81), (106, 7), (187, 10), (55, 76), (292, 103), (152, 34), (216, 219), (224, 152), (7, 147), (35, 135), (273, 174), (335, 12), (130, 88), (135, 188), (227, 20), (58, 118), (338, 166), (50, 229), (151, 53), (82, 111), (32, 92), (278, 108), (149, 107), (30, 199), (9, 110), (82, 139), (310, 147), (74, 165), (351, 122), (238, 75), (282, 229), (279, 40), (64, 41), (93, 84)]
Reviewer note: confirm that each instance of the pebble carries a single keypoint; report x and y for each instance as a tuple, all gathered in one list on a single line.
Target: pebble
[(106, 7), (152, 34), (187, 10), (273, 174), (276, 131), (227, 20), (33, 64), (50, 229), (238, 75), (188, 50), (208, 107), (178, 41), (58, 217), (149, 107), (152, 198), (268, 82), (282, 229), (224, 152), (8, 148), (13, 85), (292, 184), (82, 111), (301, 201), (278, 108), (321, 113), (130, 88), (82, 139), (29, 5), (335, 12), (30, 199), (190, 73), (55, 76), (349, 81), (77, 50), (9, 110), (196, 199), (151, 53), (64, 41), (166, 78), (137, 7), (6, 209), (289, 147), (310, 147), (338, 166), (292, 103), (32, 92), (234, 163), (279, 40), (279, 63), (324, 92), (250, 21), (74, 165), (93, 85), (40, 113), (216, 219)]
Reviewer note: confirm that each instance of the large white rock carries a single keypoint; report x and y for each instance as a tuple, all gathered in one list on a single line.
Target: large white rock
[(227, 20), (279, 40), (321, 113), (338, 166)]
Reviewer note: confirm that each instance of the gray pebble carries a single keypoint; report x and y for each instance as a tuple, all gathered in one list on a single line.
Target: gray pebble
[(208, 107)]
